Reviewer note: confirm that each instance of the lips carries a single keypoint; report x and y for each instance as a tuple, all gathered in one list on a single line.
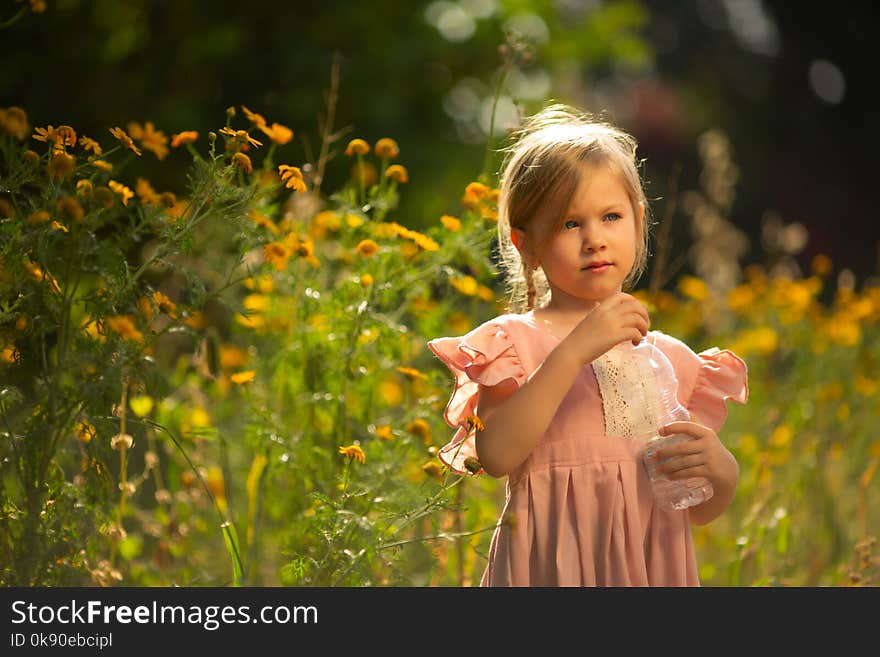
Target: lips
[(599, 265)]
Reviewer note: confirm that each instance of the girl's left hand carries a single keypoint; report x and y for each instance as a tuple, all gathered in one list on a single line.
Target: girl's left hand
[(704, 456)]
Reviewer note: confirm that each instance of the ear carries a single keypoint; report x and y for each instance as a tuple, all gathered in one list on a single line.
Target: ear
[(518, 237), (520, 241), (641, 212)]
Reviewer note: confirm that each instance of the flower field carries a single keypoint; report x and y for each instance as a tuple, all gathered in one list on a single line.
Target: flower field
[(228, 383)]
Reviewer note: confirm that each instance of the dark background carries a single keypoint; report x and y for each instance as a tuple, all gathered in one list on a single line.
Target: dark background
[(94, 64)]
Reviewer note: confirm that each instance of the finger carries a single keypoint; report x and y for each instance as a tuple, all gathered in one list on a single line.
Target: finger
[(689, 428), (679, 464)]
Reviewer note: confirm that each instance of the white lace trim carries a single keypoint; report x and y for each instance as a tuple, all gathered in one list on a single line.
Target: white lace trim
[(630, 398)]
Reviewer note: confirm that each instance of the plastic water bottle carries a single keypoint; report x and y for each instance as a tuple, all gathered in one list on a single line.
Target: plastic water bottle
[(668, 493)]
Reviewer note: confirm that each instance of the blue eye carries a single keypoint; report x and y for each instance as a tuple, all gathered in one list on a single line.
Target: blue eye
[(612, 216), (570, 223)]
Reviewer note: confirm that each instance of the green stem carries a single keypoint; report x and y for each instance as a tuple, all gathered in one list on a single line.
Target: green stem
[(490, 144), (12, 21)]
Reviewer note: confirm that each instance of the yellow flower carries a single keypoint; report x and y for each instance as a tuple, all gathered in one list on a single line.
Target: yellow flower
[(476, 423), (243, 162), (465, 284), (90, 144), (384, 432), (145, 192), (243, 377), (354, 452), (278, 133), (121, 190), (276, 254), (474, 194), (71, 208), (485, 293), (354, 220), (85, 188), (124, 326), (387, 148), (85, 431), (257, 119), (781, 435), (420, 428), (240, 137), (38, 217), (694, 288), (391, 392), (256, 303), (104, 165), (367, 248), (185, 137), (165, 304), (865, 386), (39, 275), (141, 405), (262, 220), (433, 469), (411, 373), (397, 173), (151, 139), (13, 121), (60, 165), (124, 139), (292, 177), (366, 280), (357, 147), (452, 224)]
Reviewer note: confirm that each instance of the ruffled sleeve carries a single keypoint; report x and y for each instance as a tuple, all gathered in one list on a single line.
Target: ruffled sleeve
[(722, 375), (706, 380), (485, 356)]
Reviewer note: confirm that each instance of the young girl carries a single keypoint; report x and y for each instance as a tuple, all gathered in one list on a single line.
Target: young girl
[(535, 396)]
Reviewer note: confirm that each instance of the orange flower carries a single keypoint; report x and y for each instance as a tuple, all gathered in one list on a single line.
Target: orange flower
[(452, 224), (13, 121), (124, 139), (357, 147), (387, 148), (121, 190), (243, 162), (276, 254), (151, 139), (292, 177), (367, 248), (253, 117), (185, 137), (240, 137), (278, 133), (71, 208), (243, 377), (61, 165), (398, 173), (90, 144), (354, 452)]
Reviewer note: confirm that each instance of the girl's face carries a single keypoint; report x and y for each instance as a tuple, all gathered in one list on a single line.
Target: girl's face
[(588, 259)]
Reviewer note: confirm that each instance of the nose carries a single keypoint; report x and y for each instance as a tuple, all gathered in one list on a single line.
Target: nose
[(592, 238)]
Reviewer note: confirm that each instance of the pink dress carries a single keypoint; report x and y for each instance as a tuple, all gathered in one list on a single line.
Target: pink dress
[(579, 510)]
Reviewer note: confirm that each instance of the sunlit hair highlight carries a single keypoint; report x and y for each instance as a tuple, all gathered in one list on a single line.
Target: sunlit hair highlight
[(543, 166)]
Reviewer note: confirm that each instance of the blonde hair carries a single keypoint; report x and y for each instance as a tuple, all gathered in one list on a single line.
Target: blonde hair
[(542, 169)]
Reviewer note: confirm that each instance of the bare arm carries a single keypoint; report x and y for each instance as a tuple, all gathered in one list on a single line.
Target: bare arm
[(515, 423)]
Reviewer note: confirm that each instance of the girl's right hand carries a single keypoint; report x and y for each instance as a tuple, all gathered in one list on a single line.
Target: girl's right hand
[(616, 319)]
